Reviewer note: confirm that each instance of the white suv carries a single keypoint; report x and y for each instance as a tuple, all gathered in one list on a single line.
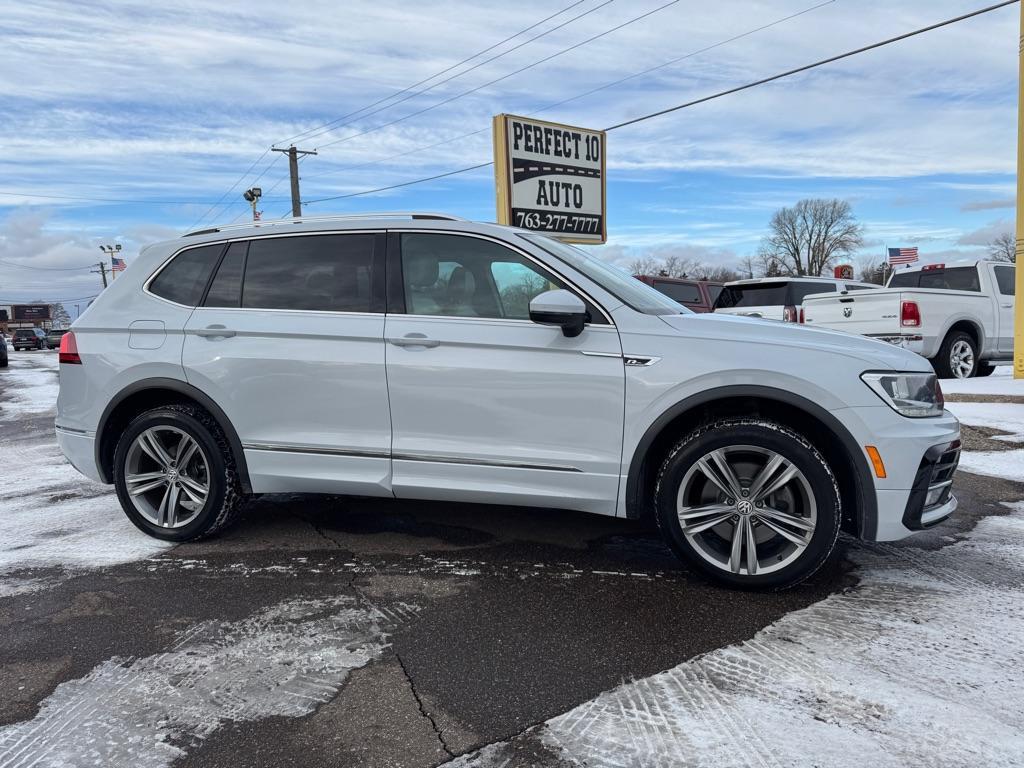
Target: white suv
[(420, 356)]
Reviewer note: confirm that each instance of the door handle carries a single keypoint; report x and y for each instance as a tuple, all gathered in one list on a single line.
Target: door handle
[(415, 340), (1007, 306), (215, 332)]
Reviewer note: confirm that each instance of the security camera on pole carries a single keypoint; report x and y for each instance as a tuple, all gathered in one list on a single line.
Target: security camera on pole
[(253, 196), (109, 250)]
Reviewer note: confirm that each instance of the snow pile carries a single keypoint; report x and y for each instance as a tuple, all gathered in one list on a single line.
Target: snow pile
[(1005, 416), (999, 382), (919, 665), (30, 386)]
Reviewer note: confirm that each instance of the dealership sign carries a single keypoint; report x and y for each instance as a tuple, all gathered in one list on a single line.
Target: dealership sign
[(30, 312), (550, 178)]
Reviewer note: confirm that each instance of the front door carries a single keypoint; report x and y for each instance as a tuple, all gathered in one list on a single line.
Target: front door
[(485, 404), (289, 341)]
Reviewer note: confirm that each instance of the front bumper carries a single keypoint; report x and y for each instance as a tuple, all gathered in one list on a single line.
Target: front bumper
[(79, 449), (920, 455)]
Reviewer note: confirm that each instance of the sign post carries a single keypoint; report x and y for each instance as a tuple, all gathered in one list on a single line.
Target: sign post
[(1018, 312), (550, 178)]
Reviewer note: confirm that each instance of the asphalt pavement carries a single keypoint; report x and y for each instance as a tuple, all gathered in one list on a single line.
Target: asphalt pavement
[(423, 631)]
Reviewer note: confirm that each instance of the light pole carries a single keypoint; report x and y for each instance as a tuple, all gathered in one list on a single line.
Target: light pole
[(253, 196), (108, 250)]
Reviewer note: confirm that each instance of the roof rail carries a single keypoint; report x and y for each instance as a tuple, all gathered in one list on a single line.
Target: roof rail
[(420, 215)]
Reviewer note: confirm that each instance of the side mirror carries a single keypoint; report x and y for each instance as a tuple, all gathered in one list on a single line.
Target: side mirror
[(561, 308)]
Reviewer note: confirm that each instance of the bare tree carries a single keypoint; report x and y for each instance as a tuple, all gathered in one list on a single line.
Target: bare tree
[(716, 273), (1004, 248), (647, 265), (871, 270), (747, 266), (812, 234)]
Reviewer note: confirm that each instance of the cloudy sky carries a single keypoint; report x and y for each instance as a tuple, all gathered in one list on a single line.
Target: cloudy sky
[(129, 122)]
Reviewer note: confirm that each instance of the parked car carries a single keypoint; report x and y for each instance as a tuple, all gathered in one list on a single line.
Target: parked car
[(3, 351), (696, 295), (419, 356), (958, 316), (28, 338), (53, 337), (777, 298)]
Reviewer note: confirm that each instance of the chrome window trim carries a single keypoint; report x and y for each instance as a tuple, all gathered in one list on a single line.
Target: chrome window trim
[(516, 249)]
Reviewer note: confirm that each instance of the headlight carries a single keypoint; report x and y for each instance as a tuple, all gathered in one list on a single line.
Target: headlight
[(916, 395)]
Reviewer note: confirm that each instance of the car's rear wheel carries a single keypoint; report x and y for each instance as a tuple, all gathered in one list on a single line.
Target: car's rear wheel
[(748, 503), (175, 474), (957, 358)]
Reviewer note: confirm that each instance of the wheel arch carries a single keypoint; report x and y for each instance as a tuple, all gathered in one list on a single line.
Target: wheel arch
[(825, 431), (151, 393), (968, 325)]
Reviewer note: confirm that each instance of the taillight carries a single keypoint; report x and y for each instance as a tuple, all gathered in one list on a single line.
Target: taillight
[(69, 349), (801, 315), (910, 314), (789, 315)]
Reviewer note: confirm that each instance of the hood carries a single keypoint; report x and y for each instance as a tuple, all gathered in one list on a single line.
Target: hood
[(753, 330)]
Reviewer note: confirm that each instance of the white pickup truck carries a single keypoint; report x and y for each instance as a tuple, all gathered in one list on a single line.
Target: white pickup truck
[(959, 316)]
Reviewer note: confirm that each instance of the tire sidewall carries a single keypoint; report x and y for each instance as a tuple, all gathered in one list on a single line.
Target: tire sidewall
[(945, 367), (763, 434), (186, 422)]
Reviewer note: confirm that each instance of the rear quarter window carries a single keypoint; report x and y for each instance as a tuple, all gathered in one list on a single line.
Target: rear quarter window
[(1005, 280), (684, 293)]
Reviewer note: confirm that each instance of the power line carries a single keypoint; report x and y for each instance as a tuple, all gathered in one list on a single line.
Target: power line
[(232, 188), (612, 84), (457, 96), (46, 301), (128, 201), (46, 269), (816, 64), (718, 95), (314, 131)]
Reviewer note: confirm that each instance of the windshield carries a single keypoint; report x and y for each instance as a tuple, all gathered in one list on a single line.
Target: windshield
[(618, 283)]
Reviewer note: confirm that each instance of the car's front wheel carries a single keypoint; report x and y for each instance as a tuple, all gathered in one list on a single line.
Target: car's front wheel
[(749, 503), (175, 474)]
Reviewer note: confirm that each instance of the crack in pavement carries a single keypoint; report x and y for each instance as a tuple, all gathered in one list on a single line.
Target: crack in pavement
[(423, 710)]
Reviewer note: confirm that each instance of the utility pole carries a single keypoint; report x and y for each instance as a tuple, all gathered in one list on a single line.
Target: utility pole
[(293, 171), (1018, 312), (102, 271)]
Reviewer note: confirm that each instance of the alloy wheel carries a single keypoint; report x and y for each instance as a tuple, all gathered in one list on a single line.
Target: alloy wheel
[(167, 475), (746, 510), (961, 359)]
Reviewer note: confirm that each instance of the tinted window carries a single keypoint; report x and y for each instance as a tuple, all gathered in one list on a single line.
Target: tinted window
[(714, 291), (185, 278), (226, 289), (681, 292), (329, 273), (797, 291), (469, 277), (904, 280), (852, 287), (955, 279), (1005, 279), (753, 295)]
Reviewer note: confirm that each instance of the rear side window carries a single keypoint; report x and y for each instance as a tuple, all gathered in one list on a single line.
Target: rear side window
[(320, 273), (684, 293), (797, 291), (753, 295), (226, 288), (1005, 280), (955, 279), (184, 279)]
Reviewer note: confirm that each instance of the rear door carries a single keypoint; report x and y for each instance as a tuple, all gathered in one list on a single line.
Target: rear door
[(485, 404), (1005, 288), (289, 342)]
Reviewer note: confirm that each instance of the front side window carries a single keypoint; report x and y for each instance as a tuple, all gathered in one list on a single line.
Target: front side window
[(184, 279), (457, 276), (1005, 280), (316, 273)]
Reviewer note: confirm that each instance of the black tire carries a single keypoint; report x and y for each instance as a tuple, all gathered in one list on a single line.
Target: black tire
[(943, 362), (225, 500), (3, 361), (984, 369), (770, 437)]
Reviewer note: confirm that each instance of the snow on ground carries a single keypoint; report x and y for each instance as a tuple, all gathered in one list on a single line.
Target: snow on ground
[(50, 514), (31, 387), (284, 661), (999, 382), (1007, 417), (918, 665)]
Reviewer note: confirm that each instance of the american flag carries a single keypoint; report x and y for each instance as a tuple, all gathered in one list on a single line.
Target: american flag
[(116, 264), (902, 256)]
